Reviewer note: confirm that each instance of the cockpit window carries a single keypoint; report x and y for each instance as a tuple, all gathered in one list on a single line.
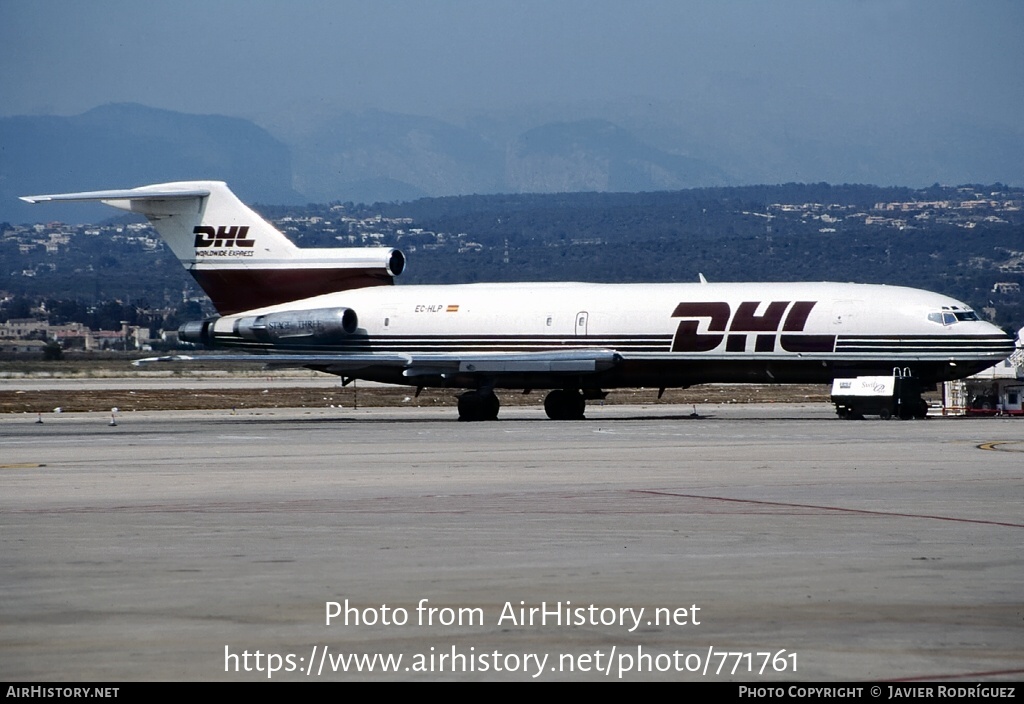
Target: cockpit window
[(948, 317)]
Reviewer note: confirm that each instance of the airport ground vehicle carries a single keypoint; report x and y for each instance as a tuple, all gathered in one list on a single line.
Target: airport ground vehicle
[(896, 395)]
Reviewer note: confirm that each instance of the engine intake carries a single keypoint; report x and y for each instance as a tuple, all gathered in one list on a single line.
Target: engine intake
[(396, 262)]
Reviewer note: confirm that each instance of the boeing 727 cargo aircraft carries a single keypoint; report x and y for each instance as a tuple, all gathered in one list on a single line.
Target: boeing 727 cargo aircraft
[(335, 311)]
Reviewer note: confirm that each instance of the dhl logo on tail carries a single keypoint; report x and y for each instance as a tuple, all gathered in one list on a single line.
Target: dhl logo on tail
[(234, 236)]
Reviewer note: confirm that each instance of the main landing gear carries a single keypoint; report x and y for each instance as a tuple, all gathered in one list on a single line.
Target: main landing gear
[(565, 404), (481, 404), (560, 404)]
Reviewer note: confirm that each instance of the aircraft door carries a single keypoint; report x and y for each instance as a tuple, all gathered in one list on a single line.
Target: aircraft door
[(581, 323)]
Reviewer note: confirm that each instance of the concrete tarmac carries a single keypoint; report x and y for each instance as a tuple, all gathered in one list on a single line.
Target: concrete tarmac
[(753, 544), (166, 381)]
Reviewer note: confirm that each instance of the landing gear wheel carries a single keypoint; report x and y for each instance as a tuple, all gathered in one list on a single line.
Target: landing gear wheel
[(563, 404), (491, 406), (478, 405)]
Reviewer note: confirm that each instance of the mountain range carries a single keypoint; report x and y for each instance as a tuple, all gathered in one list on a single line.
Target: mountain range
[(375, 156)]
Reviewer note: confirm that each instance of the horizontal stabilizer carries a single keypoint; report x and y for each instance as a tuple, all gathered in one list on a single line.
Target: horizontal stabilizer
[(120, 194)]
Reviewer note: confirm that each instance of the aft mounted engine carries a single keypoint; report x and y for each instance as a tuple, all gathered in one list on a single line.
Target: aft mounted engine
[(321, 326)]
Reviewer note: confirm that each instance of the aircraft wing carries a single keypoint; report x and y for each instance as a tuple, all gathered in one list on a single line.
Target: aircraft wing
[(574, 361)]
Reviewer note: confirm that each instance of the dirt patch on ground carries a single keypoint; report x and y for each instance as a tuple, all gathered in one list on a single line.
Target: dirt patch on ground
[(354, 397)]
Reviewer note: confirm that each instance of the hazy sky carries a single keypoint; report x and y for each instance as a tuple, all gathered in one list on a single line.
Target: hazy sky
[(446, 58)]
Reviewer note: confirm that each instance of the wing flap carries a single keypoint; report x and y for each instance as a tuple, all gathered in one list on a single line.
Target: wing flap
[(577, 361)]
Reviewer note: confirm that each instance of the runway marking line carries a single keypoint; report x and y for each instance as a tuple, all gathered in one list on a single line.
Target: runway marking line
[(829, 508), (996, 446)]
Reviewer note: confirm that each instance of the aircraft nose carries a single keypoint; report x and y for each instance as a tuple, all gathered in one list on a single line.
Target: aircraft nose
[(1007, 344)]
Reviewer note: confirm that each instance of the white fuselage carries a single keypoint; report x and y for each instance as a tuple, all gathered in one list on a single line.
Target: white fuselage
[(670, 334)]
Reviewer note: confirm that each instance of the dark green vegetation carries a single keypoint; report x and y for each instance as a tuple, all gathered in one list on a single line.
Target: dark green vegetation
[(958, 241)]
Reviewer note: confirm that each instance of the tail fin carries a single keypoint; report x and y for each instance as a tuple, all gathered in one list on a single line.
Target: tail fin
[(240, 260)]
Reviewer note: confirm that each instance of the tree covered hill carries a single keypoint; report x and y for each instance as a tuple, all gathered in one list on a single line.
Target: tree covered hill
[(967, 242)]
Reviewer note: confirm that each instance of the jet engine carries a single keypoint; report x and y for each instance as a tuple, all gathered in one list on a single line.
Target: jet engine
[(296, 327)]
